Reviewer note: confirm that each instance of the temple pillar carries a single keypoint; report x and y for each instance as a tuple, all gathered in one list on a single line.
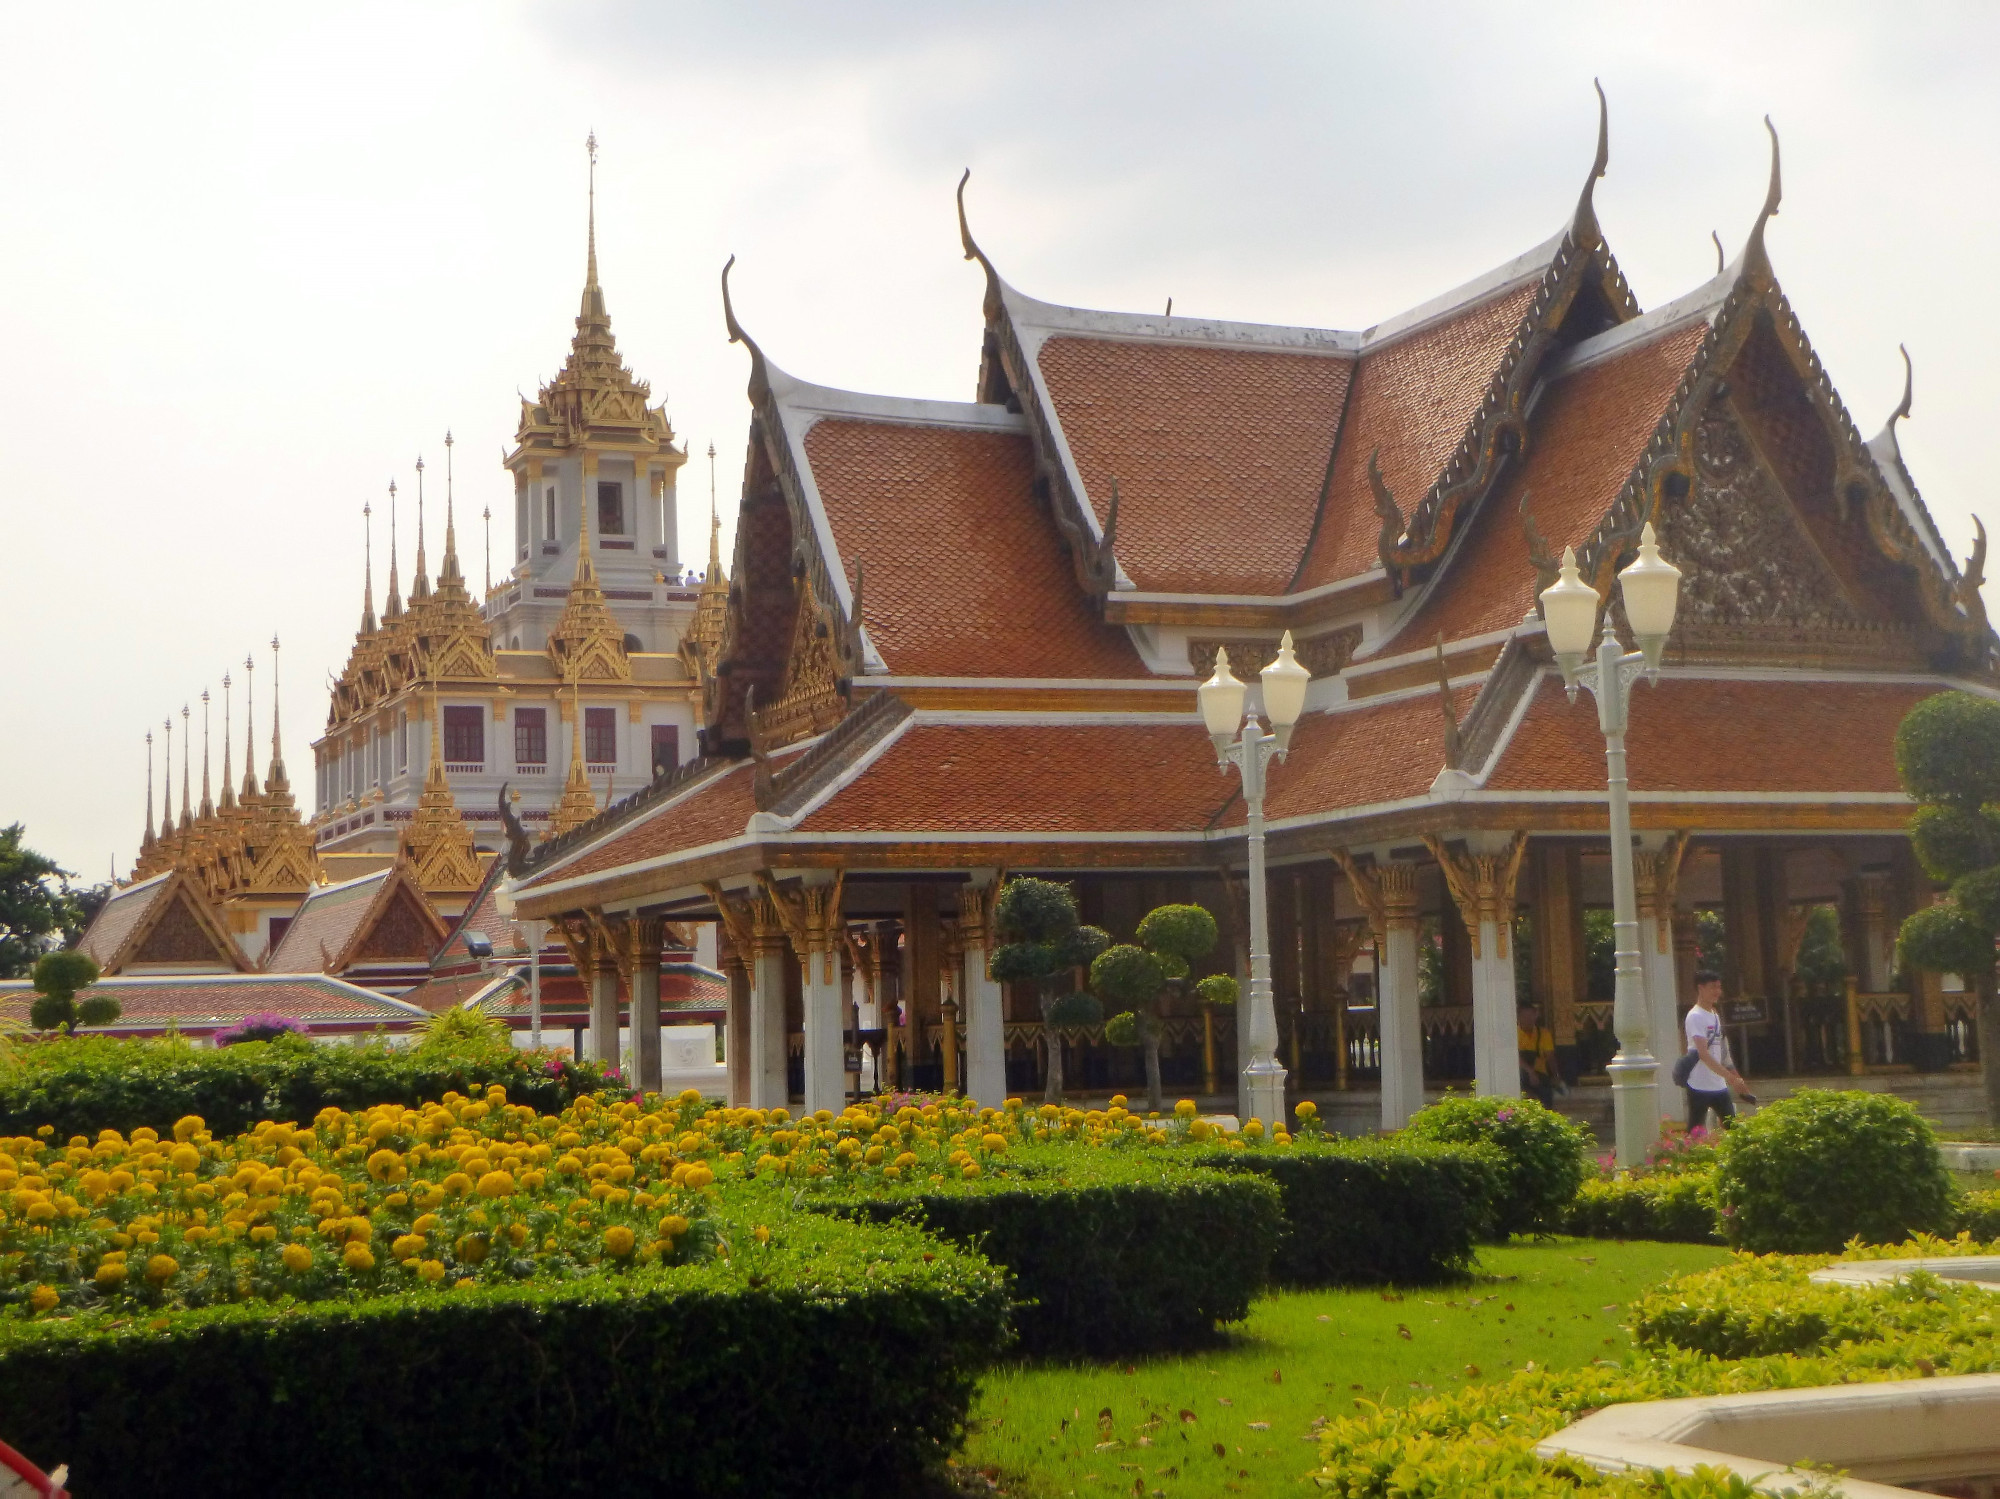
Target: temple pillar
[(1481, 884), (1657, 872), (769, 1087), (1388, 892), (603, 1000), (1558, 945), (810, 916), (644, 933), (1913, 891), (736, 1047), (1874, 931), (985, 1022), (920, 975)]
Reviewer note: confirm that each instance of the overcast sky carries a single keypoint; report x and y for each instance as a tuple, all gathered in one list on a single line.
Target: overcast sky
[(258, 257)]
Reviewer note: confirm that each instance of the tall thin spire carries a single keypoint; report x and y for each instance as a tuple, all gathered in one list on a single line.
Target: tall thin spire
[(421, 588), (207, 803), (148, 842), (486, 514), (593, 297), (367, 568), (249, 731), (167, 782), (275, 779), (393, 609), (228, 802), (714, 524), (187, 748), (449, 573)]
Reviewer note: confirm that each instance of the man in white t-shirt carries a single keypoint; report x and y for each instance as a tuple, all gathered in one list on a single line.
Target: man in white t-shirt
[(1713, 1083)]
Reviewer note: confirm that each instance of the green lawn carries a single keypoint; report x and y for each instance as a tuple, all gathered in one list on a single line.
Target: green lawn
[(1239, 1418)]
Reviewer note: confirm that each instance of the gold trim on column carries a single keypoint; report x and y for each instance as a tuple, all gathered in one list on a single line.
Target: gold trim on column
[(1481, 886)]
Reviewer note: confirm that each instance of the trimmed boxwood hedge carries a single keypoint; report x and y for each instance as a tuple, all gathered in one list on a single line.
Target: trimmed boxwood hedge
[(87, 1084), (833, 1360), (1109, 1251), (1361, 1211), (1677, 1209)]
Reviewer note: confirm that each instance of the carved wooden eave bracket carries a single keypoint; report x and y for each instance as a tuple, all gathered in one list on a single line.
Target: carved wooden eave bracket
[(1481, 886)]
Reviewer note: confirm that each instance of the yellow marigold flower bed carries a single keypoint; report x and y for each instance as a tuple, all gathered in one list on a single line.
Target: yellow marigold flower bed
[(465, 1191)]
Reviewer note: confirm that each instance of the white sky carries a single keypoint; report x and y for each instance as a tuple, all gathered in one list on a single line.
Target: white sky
[(257, 257)]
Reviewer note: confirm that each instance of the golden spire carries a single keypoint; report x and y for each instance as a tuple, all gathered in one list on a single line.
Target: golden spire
[(439, 842), (167, 783), (449, 576), (367, 568), (187, 744), (587, 640), (146, 843), (577, 805), (249, 733), (207, 805), (486, 514), (593, 296), (420, 590), (276, 783), (393, 609), (228, 802), (703, 641)]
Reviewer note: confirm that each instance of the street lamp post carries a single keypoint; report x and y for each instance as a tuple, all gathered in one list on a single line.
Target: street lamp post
[(1569, 605), (1261, 1088), (504, 903)]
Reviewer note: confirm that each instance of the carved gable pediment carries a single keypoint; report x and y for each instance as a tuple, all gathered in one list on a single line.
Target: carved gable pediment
[(403, 931), (181, 936)]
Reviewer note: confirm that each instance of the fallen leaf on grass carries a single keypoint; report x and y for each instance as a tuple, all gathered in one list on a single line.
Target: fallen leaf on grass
[(1220, 1450), (1258, 1425), (1224, 1400), (1324, 1317), (1188, 1417), (1404, 1332), (1472, 1371)]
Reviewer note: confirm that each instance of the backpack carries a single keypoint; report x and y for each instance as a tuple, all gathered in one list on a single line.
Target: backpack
[(1684, 1068)]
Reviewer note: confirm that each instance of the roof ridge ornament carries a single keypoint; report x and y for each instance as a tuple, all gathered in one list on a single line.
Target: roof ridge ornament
[(973, 252), (760, 380), (1721, 261), (1585, 218), (1902, 410), (1392, 522), (1773, 195)]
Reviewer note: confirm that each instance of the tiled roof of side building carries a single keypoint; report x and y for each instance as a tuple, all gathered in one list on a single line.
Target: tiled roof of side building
[(120, 917), (1412, 400), (1362, 757), (1714, 735), (964, 573), (1219, 453), (1588, 430), (326, 923), (482, 916), (714, 810), (223, 999), (440, 994), (1032, 778)]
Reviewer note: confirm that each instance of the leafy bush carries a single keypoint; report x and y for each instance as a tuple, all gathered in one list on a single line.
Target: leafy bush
[(1979, 1214), (827, 1361), (1818, 1168), (1480, 1441), (1360, 1211), (1676, 1207), (1109, 1252), (263, 1025), (84, 1084), (1547, 1155), (58, 978)]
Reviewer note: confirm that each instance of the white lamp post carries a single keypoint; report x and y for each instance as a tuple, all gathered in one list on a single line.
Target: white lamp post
[(1569, 605), (1261, 1088), (504, 903)]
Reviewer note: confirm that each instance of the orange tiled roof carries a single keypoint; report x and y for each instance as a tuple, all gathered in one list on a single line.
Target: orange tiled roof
[(1694, 735), (211, 1002), (1588, 430), (440, 994), (1218, 453), (1413, 399), (326, 924), (965, 574), (120, 916), (717, 809), (1361, 757)]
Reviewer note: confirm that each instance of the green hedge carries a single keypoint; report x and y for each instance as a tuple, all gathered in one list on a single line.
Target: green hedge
[(1109, 1251), (1678, 1209), (1479, 1442), (1979, 1214), (832, 1360), (1405, 1212), (1547, 1155), (83, 1085)]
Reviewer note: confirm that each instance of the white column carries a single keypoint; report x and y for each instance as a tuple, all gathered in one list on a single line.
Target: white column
[(768, 1088), (1496, 1057), (1397, 1009), (984, 1066), (647, 932), (1656, 870), (603, 1038), (826, 1077)]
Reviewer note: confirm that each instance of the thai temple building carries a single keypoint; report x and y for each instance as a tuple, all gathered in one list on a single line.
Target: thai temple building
[(962, 641)]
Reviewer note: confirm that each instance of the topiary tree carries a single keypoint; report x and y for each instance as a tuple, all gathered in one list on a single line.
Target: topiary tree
[(1948, 755), (1809, 1172), (1170, 941), (1042, 939), (58, 976)]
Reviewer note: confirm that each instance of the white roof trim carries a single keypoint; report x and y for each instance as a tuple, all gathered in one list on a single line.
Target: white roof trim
[(1703, 303), (1888, 456), (700, 783)]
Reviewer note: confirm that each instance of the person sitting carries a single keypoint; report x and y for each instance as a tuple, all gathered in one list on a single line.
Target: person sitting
[(1536, 1044)]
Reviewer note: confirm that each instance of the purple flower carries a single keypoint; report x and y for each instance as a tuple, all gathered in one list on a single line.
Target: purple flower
[(1503, 1115)]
